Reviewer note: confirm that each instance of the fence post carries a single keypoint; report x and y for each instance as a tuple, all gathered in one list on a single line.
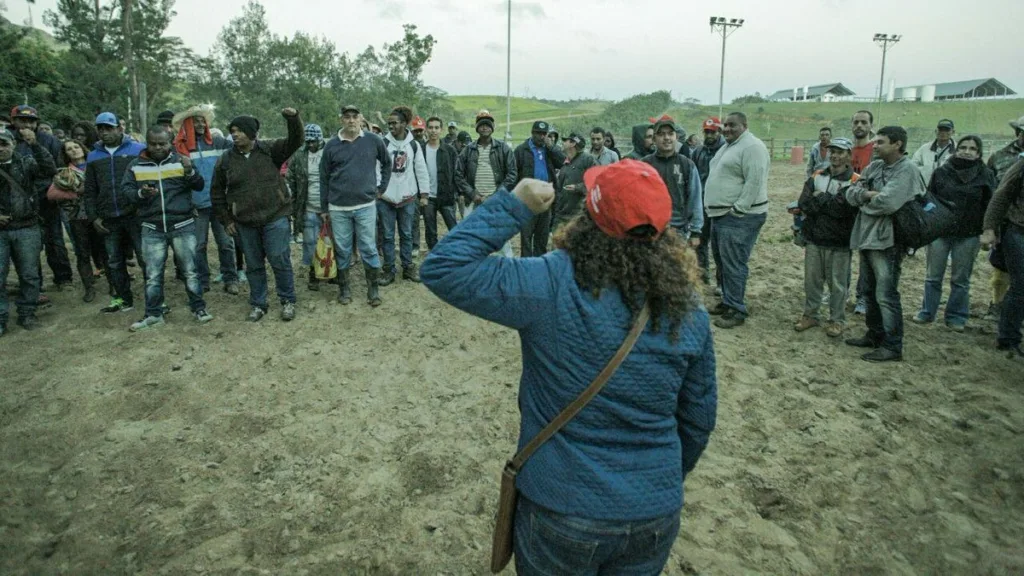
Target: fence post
[(771, 148)]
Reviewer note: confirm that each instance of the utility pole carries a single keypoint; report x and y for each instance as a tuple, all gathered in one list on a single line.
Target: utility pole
[(883, 40), (508, 78), (129, 55), (31, 23), (724, 26)]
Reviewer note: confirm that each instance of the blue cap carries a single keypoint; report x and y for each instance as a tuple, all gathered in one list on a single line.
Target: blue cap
[(106, 119)]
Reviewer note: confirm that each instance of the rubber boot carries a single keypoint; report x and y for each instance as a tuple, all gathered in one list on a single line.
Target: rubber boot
[(314, 284), (344, 288), (372, 285)]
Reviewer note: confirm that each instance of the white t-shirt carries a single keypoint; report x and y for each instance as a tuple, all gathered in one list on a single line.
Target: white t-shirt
[(432, 169)]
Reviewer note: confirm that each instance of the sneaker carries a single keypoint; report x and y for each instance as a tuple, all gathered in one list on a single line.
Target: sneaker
[(231, 288), (921, 318), (805, 323), (203, 316), (288, 311), (882, 355), (861, 307), (116, 305), (242, 278), (862, 342), (29, 322), (90, 294), (165, 309), (834, 329), (147, 323), (719, 309), (256, 314), (730, 320), (958, 328)]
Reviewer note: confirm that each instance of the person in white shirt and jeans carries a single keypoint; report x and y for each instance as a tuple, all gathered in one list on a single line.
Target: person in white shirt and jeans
[(409, 183)]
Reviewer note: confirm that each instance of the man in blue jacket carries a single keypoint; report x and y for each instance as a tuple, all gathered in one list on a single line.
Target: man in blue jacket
[(160, 183), (195, 140), (536, 159), (106, 209)]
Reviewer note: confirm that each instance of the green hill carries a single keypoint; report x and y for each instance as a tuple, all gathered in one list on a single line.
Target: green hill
[(524, 112)]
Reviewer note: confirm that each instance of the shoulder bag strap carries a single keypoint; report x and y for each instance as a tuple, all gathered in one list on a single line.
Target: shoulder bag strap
[(595, 387)]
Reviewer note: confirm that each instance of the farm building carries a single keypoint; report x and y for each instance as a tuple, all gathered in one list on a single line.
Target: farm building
[(966, 90), (822, 93)]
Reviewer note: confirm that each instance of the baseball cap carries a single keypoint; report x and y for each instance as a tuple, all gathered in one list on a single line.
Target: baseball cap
[(540, 126), (945, 124), (576, 139), (106, 119), (6, 135), (626, 195), (665, 120), (165, 116), (24, 111), (464, 137), (349, 108), (1017, 124), (841, 143), (453, 124), (418, 124), (713, 123)]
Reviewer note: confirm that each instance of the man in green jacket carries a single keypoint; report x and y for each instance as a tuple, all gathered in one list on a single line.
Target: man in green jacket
[(303, 178)]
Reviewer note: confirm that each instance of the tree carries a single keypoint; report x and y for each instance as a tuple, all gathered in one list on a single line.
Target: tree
[(754, 98)]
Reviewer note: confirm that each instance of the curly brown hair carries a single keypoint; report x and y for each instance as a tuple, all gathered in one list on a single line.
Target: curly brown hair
[(663, 271)]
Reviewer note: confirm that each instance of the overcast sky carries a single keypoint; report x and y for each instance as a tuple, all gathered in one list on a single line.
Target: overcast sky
[(612, 49)]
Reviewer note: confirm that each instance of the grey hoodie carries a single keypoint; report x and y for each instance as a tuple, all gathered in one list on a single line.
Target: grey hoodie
[(638, 153), (896, 184)]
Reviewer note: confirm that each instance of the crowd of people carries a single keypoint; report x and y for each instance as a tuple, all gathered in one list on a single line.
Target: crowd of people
[(122, 198)]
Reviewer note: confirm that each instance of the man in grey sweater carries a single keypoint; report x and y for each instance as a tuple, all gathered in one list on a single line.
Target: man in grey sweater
[(885, 186), (736, 200)]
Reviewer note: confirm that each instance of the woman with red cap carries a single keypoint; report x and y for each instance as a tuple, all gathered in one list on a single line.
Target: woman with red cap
[(603, 493)]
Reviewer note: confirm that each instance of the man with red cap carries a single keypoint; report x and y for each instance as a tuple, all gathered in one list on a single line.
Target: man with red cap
[(713, 142), (615, 479)]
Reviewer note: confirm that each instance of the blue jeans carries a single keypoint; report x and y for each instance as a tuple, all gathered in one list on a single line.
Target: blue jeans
[(117, 271), (881, 271), (732, 240), (1012, 314), (362, 224), (225, 248), (403, 215), (964, 252), (310, 232), (154, 252), (22, 246), (430, 213), (270, 242), (547, 542)]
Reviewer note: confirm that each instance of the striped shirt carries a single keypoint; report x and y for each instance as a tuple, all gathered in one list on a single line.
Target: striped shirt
[(484, 183)]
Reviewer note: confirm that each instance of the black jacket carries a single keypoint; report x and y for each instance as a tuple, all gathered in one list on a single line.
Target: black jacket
[(173, 206), (967, 187), (503, 163), (447, 161), (297, 178), (103, 175), (677, 171), (21, 202), (569, 203), (524, 161), (50, 144), (828, 218), (702, 159)]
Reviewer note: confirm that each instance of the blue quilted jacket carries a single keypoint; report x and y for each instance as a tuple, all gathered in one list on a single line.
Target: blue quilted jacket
[(625, 455)]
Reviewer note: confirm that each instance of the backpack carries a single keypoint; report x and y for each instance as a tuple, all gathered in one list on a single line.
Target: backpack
[(922, 220)]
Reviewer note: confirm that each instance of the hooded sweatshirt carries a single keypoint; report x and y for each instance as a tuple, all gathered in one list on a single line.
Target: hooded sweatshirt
[(896, 185), (683, 182), (409, 174), (639, 151)]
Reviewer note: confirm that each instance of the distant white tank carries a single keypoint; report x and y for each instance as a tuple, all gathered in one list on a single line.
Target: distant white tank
[(909, 94), (892, 90), (928, 93)]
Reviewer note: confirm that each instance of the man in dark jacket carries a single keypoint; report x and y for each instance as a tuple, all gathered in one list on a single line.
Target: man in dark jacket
[(105, 167), (441, 159), (484, 167), (713, 142), (250, 197), (20, 236), (570, 189), (1000, 163), (536, 159), (160, 183), (303, 178), (682, 179), (643, 141), (828, 223), (25, 117)]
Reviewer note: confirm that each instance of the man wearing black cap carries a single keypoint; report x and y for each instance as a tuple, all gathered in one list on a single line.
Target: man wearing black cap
[(486, 166), (934, 154), (569, 187), (250, 197), (166, 119), (682, 179), (536, 159)]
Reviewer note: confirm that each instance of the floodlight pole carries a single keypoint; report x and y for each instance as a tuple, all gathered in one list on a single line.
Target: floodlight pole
[(508, 78), (884, 40), (725, 27)]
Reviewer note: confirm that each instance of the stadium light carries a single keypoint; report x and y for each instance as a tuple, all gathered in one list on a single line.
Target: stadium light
[(884, 40), (508, 78), (725, 26)]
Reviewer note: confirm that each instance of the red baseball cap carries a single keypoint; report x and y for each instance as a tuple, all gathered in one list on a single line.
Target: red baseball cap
[(713, 123), (418, 124), (625, 195)]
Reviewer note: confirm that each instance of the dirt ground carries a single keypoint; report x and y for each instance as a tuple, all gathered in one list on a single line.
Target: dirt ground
[(370, 441)]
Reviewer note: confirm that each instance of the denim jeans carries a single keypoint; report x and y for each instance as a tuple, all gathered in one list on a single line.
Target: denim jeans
[(430, 213), (964, 252), (310, 233), (546, 542), (270, 242), (225, 248), (824, 264), (403, 215), (53, 239), (122, 230), (154, 252), (534, 237), (733, 238), (416, 226), (21, 246), (1012, 314), (506, 250), (362, 224), (704, 253), (881, 271), (86, 240)]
